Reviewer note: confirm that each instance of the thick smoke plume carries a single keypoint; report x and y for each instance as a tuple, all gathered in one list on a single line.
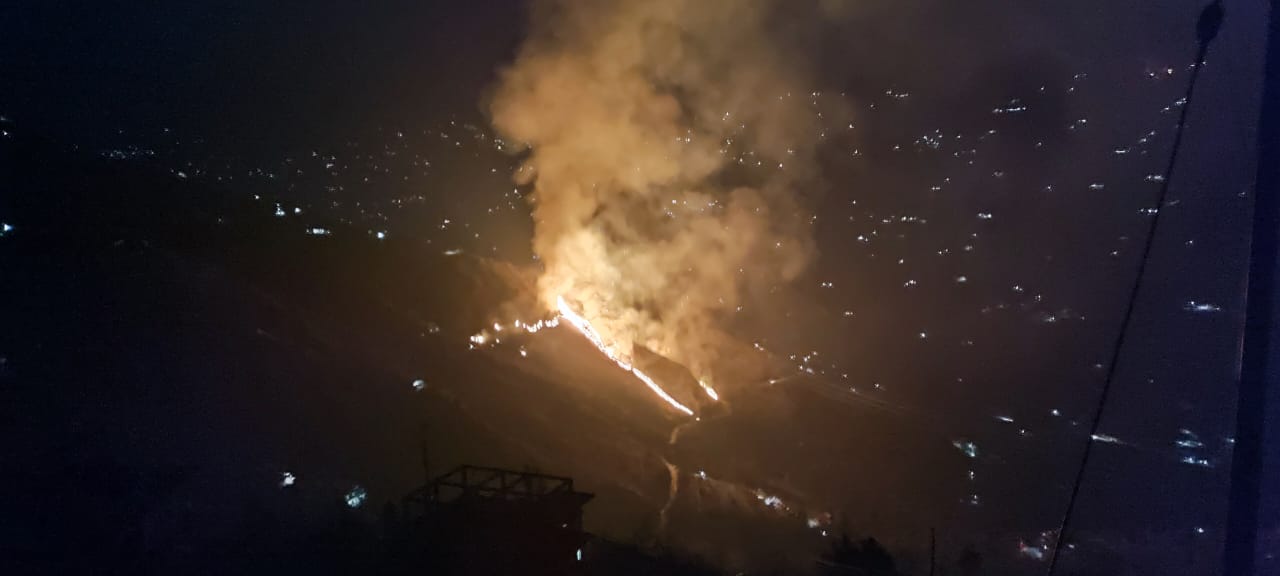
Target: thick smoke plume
[(667, 142)]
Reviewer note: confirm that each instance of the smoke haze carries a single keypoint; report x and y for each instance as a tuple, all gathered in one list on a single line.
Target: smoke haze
[(667, 143)]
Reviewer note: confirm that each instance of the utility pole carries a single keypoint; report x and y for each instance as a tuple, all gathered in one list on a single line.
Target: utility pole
[(425, 455), (933, 547)]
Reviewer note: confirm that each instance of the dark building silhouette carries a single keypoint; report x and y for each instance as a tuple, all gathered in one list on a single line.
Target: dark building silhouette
[(478, 520)]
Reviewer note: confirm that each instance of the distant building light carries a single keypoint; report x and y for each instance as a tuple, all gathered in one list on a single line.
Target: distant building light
[(356, 497), (1105, 439), (969, 448), (1201, 307), (1194, 461)]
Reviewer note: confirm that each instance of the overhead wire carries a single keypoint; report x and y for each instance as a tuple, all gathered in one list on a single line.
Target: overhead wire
[(1207, 27)]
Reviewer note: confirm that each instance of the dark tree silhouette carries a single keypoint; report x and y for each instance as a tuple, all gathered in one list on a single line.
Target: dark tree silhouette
[(970, 562), (868, 555)]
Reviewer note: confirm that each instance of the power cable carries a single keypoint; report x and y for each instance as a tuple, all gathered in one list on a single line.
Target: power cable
[(1207, 28)]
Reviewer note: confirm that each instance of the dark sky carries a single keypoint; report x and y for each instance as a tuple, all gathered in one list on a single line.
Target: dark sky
[(1046, 258), (294, 64), (246, 69)]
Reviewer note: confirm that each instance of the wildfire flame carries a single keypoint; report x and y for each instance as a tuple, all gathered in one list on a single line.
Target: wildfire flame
[(585, 328)]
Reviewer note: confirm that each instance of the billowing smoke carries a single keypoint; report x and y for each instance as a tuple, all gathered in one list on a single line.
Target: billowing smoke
[(667, 143)]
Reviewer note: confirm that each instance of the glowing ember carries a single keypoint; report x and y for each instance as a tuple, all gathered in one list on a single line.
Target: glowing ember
[(585, 328)]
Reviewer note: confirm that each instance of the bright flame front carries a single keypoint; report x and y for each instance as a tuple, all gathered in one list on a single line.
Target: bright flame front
[(584, 327)]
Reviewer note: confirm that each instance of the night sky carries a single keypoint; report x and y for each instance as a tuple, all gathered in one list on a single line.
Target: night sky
[(978, 214)]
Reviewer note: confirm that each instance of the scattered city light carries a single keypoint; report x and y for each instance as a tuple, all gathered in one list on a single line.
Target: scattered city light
[(356, 496)]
